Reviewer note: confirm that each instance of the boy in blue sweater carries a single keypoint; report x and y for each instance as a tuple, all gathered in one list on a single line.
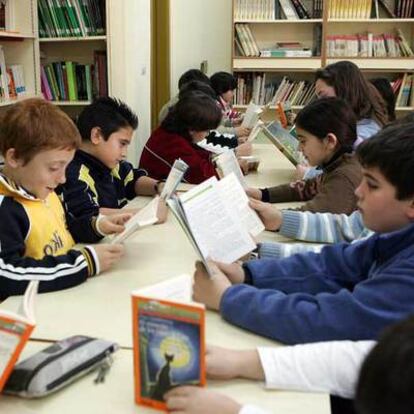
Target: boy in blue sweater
[(348, 291), (99, 180)]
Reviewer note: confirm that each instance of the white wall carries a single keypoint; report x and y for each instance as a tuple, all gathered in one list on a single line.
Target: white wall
[(200, 30), (130, 45)]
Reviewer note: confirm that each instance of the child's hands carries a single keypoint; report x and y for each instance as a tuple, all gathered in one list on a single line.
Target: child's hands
[(233, 271), (254, 193), (162, 211), (225, 364), (244, 149), (244, 166), (301, 170), (196, 400), (270, 215), (113, 223), (242, 131), (108, 254), (209, 290)]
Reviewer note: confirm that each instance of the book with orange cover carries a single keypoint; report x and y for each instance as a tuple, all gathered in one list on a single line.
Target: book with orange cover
[(15, 330), (169, 340)]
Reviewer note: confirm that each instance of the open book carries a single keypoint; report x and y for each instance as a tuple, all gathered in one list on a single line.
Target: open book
[(169, 340), (252, 115), (226, 164), (285, 142), (148, 215), (255, 131), (217, 219), (15, 330)]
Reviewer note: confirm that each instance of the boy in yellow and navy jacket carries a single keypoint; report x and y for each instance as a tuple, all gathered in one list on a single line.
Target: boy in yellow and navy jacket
[(99, 180), (37, 141)]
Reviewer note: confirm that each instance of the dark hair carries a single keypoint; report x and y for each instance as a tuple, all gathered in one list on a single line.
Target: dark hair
[(350, 85), (329, 115), (386, 380), (108, 114), (223, 82), (196, 85), (391, 151), (35, 125), (192, 74), (384, 87), (195, 111)]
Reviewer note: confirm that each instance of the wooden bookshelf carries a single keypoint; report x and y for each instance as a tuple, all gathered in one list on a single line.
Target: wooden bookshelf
[(266, 32)]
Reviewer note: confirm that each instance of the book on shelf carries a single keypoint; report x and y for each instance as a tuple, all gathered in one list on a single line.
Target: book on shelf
[(3, 14), (368, 45), (227, 163), (12, 82), (15, 330), (71, 18), (217, 220), (246, 41), (403, 90), (168, 340), (350, 9), (284, 141)]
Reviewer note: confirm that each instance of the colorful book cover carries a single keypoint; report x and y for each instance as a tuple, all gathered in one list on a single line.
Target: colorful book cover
[(168, 347)]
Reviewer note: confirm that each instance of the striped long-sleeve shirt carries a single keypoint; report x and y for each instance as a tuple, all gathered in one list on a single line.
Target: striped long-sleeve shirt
[(314, 228)]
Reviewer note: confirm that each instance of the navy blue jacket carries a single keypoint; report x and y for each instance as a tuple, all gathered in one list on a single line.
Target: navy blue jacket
[(348, 291), (90, 185)]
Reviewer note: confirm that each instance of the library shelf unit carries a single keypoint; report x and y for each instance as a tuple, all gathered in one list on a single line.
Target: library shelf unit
[(267, 32)]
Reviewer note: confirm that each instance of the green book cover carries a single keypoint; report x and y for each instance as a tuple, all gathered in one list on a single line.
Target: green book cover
[(73, 19), (70, 71), (55, 20), (88, 82), (62, 18), (48, 18), (52, 84)]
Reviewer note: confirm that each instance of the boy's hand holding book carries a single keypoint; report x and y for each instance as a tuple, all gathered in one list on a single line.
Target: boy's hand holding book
[(209, 290), (254, 193), (270, 215), (113, 223), (242, 131)]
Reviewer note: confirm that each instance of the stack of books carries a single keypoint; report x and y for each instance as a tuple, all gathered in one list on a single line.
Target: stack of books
[(71, 81), (245, 42), (12, 83), (403, 90), (369, 45), (255, 87), (277, 9), (287, 49), (71, 18)]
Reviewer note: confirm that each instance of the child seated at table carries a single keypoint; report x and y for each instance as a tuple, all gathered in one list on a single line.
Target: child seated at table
[(326, 130), (99, 179), (186, 124), (347, 291), (380, 376), (37, 141)]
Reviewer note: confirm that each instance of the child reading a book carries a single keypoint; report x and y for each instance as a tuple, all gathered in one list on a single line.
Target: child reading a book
[(345, 80), (347, 291), (99, 179), (188, 76), (224, 84), (326, 130), (378, 375), (186, 124), (37, 141)]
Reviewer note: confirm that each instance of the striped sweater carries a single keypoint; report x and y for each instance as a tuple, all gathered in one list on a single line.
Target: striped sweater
[(314, 228)]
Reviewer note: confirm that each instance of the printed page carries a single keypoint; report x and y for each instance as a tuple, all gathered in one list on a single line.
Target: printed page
[(227, 163), (218, 232), (238, 202), (251, 117), (177, 289), (146, 216)]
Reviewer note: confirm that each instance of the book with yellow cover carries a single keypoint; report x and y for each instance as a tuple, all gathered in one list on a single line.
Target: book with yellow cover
[(15, 330), (169, 342)]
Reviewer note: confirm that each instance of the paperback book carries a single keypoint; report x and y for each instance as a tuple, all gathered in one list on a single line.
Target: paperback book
[(169, 340)]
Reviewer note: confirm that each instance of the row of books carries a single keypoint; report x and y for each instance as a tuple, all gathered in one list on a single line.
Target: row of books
[(71, 81), (12, 84), (403, 88), (2, 15), (368, 45), (277, 9), (403, 8), (70, 18), (257, 88)]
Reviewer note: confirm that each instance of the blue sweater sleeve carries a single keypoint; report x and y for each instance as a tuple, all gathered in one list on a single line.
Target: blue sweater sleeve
[(331, 296)]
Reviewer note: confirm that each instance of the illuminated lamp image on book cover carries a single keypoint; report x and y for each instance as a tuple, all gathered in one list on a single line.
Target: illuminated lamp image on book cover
[(170, 349)]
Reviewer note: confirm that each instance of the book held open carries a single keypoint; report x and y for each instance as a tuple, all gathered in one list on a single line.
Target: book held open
[(15, 330), (217, 219), (169, 340)]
